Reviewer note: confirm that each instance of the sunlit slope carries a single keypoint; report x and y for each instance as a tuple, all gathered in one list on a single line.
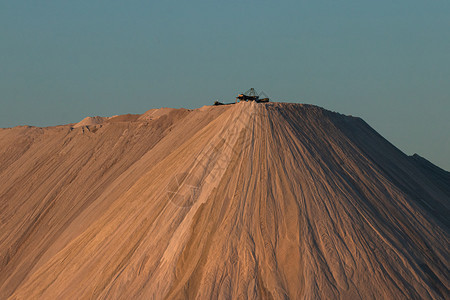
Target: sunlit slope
[(253, 200), (56, 181)]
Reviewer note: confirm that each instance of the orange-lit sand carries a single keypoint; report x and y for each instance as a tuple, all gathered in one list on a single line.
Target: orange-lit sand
[(247, 200)]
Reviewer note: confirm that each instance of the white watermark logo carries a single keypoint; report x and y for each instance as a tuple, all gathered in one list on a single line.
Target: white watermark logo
[(184, 188)]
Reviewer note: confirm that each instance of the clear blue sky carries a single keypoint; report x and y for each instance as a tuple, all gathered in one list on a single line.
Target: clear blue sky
[(385, 61)]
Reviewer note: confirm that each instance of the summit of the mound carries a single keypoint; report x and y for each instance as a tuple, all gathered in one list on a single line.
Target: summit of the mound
[(273, 200)]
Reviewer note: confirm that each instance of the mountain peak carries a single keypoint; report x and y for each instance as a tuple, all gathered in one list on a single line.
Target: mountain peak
[(257, 200)]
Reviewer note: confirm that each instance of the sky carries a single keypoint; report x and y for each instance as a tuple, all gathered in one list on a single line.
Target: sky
[(387, 62)]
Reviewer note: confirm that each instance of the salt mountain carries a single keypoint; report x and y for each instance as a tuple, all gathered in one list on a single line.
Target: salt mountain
[(248, 200)]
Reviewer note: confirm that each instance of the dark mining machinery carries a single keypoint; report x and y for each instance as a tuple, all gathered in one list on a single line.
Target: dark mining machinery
[(250, 95)]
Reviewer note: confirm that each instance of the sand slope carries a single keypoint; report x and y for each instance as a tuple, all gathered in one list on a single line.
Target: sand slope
[(248, 200)]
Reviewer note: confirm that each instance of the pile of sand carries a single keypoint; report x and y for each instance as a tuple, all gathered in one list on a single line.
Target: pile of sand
[(246, 200), (153, 114), (90, 121)]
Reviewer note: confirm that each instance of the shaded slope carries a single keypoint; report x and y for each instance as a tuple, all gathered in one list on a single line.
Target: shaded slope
[(437, 175), (255, 200)]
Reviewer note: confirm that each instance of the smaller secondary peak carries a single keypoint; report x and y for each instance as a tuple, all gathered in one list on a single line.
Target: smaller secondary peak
[(91, 121)]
